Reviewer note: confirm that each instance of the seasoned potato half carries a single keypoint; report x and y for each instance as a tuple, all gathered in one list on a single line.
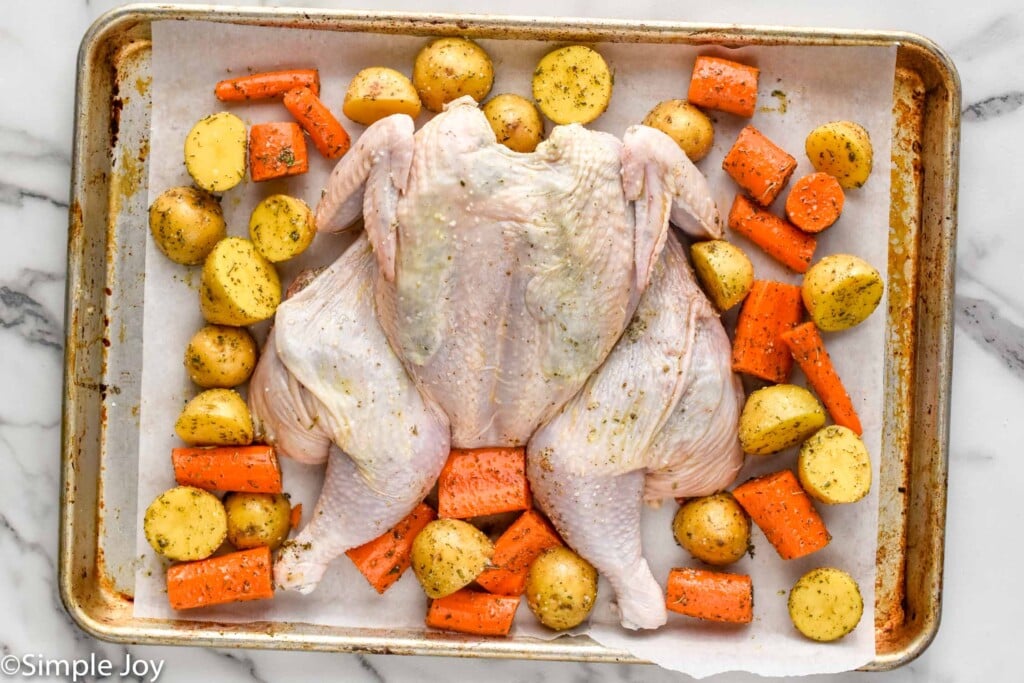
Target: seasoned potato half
[(448, 555), (516, 122), (714, 529), (572, 85), (186, 224), (239, 286), (834, 466), (561, 588), (216, 417), (377, 92), (256, 519), (185, 523), (724, 271), (281, 227), (686, 124), (841, 291), (777, 417), (218, 356), (842, 149), (448, 68), (215, 152), (825, 604)]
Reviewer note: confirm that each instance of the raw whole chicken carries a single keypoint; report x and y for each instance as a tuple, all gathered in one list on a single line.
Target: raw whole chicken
[(477, 310)]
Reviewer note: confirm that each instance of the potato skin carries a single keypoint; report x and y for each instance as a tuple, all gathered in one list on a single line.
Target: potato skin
[(842, 149), (714, 529), (841, 291), (515, 121), (777, 417), (448, 554), (825, 604), (572, 85), (186, 224), (239, 286), (281, 227), (216, 417), (686, 124), (377, 92), (218, 356), (215, 151), (185, 523), (834, 466), (448, 68), (724, 271), (257, 519), (561, 588)]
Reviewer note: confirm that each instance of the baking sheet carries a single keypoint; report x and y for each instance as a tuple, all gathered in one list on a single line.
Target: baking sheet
[(800, 87)]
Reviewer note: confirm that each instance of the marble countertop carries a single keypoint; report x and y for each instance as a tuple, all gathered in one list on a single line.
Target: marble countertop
[(39, 41)]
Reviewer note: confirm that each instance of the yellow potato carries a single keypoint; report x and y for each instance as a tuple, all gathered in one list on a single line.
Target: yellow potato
[(215, 151), (216, 417), (714, 529), (842, 149), (257, 519), (777, 417), (825, 604), (686, 124), (724, 271), (834, 466), (239, 286), (561, 588), (841, 291), (281, 227), (377, 92), (449, 68), (516, 122), (185, 523), (219, 356), (186, 224), (572, 85), (448, 555)]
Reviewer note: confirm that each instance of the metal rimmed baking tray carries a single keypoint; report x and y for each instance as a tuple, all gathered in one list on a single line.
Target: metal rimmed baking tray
[(104, 310)]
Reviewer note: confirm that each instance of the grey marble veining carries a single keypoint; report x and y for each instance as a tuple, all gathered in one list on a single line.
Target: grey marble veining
[(983, 601)]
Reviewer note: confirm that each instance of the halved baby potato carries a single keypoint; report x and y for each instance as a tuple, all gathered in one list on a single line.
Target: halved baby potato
[(186, 224), (219, 356), (841, 149), (686, 124), (256, 519), (841, 291), (825, 604), (724, 271), (185, 523), (515, 121), (239, 285), (777, 417), (215, 151), (834, 466), (216, 417), (714, 529), (377, 92), (448, 554), (281, 227), (449, 68), (572, 85)]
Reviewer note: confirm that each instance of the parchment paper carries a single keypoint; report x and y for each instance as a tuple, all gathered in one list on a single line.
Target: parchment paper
[(800, 88)]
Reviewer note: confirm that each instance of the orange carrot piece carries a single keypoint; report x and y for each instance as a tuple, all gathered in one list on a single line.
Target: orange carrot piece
[(784, 512), (326, 132), (786, 244), (276, 150), (268, 84), (296, 516), (770, 309), (713, 596), (384, 559), (522, 542), (237, 577), (249, 469), (484, 481), (467, 611), (724, 85), (815, 202), (758, 165), (808, 350)]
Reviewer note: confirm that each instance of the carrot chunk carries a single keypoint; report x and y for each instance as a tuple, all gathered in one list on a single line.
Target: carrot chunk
[(384, 559), (237, 577), (815, 202), (267, 84), (770, 309), (522, 542), (784, 512), (713, 596), (786, 244), (295, 516), (247, 469), (276, 150), (808, 350), (484, 481), (724, 85), (326, 132), (758, 165), (473, 612)]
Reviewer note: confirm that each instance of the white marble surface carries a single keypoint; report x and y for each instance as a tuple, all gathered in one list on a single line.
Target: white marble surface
[(983, 602)]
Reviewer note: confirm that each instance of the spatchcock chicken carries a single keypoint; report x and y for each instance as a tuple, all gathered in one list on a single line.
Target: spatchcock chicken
[(504, 299)]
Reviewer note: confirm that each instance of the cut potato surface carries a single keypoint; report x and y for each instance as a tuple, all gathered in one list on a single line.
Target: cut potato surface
[(216, 417), (841, 291), (281, 227), (572, 85), (448, 555), (842, 149), (239, 286), (186, 224), (724, 271), (834, 466), (215, 152), (185, 523), (377, 92), (777, 417), (825, 604), (449, 68), (686, 124)]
